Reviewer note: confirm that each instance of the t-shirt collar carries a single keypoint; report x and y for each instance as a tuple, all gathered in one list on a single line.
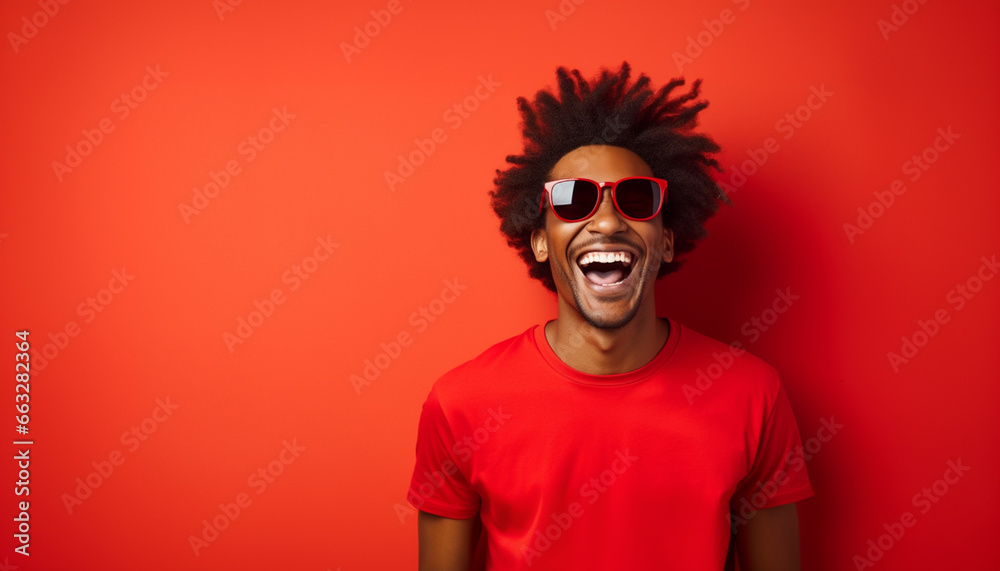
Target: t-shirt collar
[(561, 368)]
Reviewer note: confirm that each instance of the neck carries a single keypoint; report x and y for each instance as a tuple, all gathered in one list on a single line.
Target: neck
[(597, 351)]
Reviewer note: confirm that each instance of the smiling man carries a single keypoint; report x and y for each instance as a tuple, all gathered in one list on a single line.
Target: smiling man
[(575, 445)]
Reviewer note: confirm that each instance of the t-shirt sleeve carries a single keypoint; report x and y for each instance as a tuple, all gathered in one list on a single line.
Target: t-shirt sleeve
[(778, 475), (440, 485)]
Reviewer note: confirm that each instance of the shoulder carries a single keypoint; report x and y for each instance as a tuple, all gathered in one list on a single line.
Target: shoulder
[(499, 361), (729, 367)]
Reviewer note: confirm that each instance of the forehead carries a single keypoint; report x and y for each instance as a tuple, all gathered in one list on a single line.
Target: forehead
[(600, 163)]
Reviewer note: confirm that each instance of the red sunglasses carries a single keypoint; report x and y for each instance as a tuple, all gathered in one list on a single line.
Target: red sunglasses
[(636, 197)]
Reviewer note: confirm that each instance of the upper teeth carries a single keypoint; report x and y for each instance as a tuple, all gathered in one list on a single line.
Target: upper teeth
[(606, 258)]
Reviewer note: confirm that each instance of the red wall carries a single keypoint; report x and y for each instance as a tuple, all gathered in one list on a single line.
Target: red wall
[(132, 287)]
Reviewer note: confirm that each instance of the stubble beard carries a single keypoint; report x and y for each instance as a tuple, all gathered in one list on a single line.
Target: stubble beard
[(609, 323)]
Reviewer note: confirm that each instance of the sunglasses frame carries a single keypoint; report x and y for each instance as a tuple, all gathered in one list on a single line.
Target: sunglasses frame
[(614, 198)]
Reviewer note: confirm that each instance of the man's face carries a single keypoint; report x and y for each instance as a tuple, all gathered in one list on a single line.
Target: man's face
[(606, 295)]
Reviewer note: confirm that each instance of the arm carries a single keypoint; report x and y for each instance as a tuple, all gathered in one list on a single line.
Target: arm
[(446, 544), (769, 541)]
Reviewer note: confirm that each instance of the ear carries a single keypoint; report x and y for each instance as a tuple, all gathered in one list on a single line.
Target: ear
[(540, 245), (668, 245)]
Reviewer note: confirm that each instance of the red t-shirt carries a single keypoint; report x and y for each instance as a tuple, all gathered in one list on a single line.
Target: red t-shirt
[(638, 470)]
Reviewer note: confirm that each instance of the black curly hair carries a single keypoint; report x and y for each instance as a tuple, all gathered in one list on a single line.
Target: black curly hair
[(610, 110)]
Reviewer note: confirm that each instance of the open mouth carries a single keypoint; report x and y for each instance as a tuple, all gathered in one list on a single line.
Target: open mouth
[(606, 268)]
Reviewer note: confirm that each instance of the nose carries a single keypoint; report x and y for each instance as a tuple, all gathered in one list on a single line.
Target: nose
[(607, 219)]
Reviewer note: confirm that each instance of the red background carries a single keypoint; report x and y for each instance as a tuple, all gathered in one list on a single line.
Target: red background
[(334, 506)]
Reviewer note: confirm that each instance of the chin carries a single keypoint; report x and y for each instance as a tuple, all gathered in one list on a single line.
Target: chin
[(609, 319), (609, 323)]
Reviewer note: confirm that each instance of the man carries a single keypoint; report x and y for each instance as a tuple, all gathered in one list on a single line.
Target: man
[(584, 443)]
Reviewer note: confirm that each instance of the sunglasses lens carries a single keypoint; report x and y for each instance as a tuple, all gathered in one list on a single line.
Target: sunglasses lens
[(575, 199), (638, 198)]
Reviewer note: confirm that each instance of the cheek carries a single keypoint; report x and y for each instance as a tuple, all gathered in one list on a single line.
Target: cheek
[(560, 235), (659, 247)]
